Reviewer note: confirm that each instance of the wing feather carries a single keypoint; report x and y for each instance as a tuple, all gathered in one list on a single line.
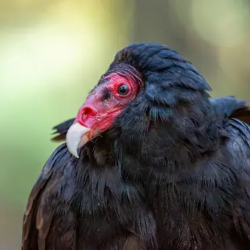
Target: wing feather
[(239, 145), (61, 130), (49, 222)]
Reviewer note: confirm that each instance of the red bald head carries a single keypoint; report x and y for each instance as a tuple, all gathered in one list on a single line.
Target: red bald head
[(105, 102)]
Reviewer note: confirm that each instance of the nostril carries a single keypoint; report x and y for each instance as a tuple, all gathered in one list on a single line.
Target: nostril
[(87, 112)]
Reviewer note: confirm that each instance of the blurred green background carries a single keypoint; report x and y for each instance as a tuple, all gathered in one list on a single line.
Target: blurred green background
[(52, 53)]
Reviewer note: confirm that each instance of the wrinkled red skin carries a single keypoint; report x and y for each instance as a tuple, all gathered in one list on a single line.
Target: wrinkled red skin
[(98, 112)]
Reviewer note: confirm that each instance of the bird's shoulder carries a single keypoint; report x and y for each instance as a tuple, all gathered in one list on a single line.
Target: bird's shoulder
[(238, 130), (233, 116), (237, 126)]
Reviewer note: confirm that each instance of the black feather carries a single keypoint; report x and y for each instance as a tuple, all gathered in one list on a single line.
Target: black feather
[(172, 173), (61, 130)]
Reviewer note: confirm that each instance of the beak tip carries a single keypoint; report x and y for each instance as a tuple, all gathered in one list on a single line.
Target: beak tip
[(76, 138), (74, 153)]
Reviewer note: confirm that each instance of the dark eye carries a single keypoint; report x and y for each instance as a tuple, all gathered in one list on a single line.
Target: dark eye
[(123, 89)]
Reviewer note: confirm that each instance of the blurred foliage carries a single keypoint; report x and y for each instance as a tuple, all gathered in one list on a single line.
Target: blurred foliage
[(53, 52)]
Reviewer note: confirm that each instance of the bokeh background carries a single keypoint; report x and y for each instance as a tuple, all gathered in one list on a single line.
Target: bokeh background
[(52, 53)]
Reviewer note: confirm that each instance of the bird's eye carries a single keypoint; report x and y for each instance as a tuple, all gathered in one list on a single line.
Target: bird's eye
[(123, 89)]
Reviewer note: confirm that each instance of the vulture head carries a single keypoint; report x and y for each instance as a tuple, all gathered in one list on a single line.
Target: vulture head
[(151, 104)]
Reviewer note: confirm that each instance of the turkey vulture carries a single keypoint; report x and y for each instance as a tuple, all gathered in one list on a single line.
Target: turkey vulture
[(150, 162)]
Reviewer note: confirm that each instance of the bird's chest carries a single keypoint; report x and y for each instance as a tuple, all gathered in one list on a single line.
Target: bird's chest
[(99, 216), (182, 223), (109, 214)]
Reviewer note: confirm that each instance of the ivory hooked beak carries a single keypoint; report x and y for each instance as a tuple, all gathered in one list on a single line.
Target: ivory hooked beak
[(77, 137)]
